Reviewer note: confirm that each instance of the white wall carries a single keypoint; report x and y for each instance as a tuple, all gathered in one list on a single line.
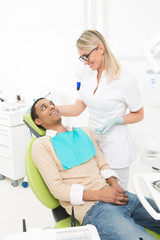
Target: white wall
[(128, 25), (37, 45)]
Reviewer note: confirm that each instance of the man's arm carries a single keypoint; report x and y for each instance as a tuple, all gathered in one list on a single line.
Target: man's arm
[(48, 169)]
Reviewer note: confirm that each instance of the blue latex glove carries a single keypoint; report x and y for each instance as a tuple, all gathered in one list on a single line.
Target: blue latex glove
[(108, 125)]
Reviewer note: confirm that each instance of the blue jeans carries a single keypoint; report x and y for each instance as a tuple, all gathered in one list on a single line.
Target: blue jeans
[(126, 222)]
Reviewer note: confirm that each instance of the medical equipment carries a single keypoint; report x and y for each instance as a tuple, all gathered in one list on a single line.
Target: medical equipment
[(153, 83), (37, 184), (42, 192), (25, 182), (156, 185), (88, 232), (148, 178), (36, 130), (149, 148), (24, 225), (78, 85), (152, 53), (14, 139)]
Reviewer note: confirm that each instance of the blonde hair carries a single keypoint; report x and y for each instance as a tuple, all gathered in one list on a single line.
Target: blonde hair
[(91, 39)]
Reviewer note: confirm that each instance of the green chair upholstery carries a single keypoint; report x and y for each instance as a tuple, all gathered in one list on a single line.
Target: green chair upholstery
[(39, 187), (42, 192), (155, 235), (37, 131)]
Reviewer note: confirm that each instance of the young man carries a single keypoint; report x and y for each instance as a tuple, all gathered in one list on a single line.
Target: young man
[(76, 173)]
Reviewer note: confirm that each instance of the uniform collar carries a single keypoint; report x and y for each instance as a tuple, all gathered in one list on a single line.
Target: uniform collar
[(53, 133)]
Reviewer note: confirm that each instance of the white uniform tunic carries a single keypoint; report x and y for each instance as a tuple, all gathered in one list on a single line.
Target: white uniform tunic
[(111, 100)]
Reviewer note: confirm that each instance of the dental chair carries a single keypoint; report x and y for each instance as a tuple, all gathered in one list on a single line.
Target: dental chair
[(39, 187)]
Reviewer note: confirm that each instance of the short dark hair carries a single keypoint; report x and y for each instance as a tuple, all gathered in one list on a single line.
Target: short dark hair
[(34, 115)]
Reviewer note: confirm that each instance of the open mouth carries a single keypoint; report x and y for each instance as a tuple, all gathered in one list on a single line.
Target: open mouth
[(53, 113), (91, 64)]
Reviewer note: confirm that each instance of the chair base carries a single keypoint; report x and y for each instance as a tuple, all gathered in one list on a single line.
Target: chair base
[(59, 213), (65, 223)]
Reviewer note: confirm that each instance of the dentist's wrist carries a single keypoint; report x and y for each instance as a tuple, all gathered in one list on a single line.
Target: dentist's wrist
[(119, 120)]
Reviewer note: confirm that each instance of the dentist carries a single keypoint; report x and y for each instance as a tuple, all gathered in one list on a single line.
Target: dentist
[(113, 99)]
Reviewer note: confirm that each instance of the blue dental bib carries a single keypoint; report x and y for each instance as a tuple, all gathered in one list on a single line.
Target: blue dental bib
[(73, 148)]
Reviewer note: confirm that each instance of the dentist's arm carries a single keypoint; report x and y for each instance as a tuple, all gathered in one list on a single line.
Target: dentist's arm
[(129, 118), (133, 117), (72, 110)]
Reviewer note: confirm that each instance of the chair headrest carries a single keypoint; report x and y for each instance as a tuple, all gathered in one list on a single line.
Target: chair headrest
[(37, 131)]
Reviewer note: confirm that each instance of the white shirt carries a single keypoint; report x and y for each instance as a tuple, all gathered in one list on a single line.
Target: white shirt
[(111, 100)]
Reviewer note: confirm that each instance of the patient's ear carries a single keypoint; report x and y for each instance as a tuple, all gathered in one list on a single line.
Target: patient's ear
[(37, 121)]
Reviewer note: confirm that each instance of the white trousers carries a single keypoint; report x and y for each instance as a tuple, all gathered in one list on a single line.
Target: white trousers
[(123, 174)]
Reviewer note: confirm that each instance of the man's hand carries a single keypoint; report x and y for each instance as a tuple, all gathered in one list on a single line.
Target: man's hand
[(113, 195), (117, 186), (112, 181)]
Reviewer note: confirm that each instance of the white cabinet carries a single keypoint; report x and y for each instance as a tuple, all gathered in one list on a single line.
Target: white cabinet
[(14, 138)]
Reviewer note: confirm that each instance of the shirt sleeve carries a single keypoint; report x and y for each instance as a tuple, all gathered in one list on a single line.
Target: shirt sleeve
[(107, 173), (76, 194), (132, 95)]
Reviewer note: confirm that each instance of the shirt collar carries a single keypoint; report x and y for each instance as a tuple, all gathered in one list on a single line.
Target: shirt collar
[(53, 133)]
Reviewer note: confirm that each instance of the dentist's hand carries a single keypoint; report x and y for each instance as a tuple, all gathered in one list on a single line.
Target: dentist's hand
[(108, 125)]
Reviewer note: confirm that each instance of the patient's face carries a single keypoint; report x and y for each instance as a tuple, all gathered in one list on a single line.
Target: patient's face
[(47, 112)]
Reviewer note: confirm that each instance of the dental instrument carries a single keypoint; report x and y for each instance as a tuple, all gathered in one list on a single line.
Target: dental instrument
[(78, 85), (156, 185), (152, 53)]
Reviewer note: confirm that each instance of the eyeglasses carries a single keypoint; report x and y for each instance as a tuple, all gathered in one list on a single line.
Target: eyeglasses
[(86, 57)]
